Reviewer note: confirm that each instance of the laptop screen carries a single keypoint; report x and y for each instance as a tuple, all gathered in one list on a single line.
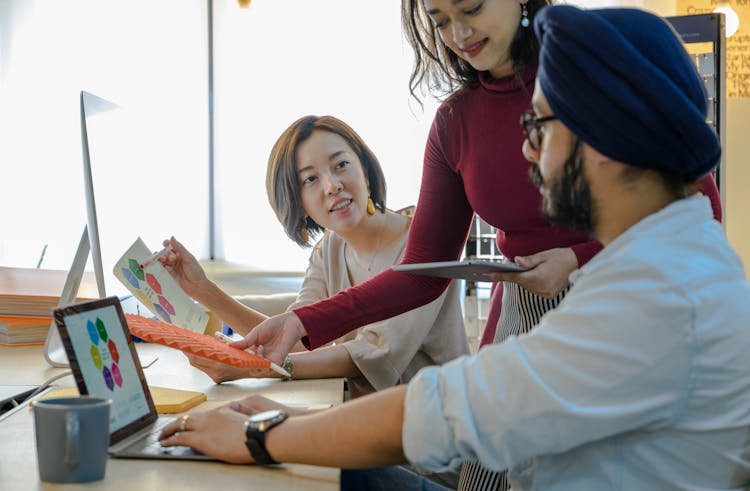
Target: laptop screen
[(105, 364)]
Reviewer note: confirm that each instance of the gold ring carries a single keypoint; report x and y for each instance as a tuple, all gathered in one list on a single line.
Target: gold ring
[(183, 422)]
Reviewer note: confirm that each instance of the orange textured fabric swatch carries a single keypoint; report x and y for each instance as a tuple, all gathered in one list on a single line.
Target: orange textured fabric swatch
[(191, 342)]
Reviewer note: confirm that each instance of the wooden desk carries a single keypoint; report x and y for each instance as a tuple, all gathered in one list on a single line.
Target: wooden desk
[(18, 464)]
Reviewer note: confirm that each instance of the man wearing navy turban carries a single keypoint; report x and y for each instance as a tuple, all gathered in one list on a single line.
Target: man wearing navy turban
[(640, 378)]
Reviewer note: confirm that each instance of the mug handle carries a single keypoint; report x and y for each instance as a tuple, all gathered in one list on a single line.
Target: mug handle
[(72, 438)]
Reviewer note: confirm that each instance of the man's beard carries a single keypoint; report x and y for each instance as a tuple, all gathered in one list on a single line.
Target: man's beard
[(568, 198)]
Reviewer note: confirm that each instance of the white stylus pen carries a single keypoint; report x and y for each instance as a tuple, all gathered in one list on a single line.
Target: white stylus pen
[(274, 366), (155, 257)]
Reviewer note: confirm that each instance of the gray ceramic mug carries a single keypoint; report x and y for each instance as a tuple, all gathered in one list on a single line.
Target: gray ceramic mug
[(72, 437)]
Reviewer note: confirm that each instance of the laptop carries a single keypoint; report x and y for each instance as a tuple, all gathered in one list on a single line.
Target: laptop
[(105, 364)]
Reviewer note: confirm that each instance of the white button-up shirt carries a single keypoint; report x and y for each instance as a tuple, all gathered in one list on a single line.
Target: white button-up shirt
[(639, 379)]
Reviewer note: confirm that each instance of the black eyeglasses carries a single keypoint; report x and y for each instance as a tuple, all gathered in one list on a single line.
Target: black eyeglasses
[(532, 127)]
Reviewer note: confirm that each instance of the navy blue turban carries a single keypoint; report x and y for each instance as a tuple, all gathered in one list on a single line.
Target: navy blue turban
[(621, 80)]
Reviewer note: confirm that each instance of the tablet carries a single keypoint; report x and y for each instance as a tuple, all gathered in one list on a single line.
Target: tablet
[(466, 270)]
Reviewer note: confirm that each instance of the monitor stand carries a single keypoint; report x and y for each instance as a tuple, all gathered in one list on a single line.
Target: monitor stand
[(54, 351)]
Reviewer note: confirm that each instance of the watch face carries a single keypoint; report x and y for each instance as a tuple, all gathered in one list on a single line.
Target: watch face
[(264, 421), (265, 416)]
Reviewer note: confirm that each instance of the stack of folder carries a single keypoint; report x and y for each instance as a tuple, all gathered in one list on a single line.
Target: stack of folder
[(27, 298), (23, 330)]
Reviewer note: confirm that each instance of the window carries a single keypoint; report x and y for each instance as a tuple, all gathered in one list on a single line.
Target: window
[(274, 62), (282, 59), (150, 57)]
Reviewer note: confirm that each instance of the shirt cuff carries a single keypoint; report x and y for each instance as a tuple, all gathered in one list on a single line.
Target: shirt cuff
[(427, 438), (315, 338)]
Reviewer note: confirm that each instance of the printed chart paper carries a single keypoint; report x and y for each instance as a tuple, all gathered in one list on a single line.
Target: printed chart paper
[(157, 290)]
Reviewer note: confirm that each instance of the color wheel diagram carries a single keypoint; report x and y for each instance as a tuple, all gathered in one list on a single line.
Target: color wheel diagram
[(157, 291), (101, 357), (143, 282)]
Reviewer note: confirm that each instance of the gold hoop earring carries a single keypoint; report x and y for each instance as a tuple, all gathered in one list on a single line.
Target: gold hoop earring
[(370, 206), (303, 230)]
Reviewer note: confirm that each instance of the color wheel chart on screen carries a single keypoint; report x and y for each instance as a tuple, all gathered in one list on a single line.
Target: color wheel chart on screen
[(106, 364), (155, 288), (105, 358)]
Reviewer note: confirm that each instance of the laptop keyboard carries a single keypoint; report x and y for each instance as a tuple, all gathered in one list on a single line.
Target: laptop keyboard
[(149, 443)]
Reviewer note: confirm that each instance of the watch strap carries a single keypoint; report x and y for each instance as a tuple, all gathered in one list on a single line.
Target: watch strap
[(256, 444), (255, 435)]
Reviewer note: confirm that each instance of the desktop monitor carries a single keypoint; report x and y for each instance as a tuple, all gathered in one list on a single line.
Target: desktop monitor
[(54, 352), (126, 198)]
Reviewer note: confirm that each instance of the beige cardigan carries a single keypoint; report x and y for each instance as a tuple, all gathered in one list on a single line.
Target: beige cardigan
[(392, 351)]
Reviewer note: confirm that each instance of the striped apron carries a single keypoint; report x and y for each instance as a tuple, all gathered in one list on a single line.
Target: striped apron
[(521, 311)]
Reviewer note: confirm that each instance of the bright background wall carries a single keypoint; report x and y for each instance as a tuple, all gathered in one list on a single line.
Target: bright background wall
[(282, 59), (274, 62), (148, 159)]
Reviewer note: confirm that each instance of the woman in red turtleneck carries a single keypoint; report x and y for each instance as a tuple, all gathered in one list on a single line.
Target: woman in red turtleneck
[(482, 53)]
